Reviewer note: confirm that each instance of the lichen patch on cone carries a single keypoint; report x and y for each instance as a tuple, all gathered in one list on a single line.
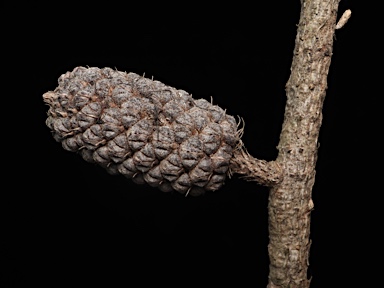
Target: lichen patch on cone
[(143, 129)]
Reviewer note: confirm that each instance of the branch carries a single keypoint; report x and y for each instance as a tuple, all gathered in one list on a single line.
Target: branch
[(290, 202), (265, 173)]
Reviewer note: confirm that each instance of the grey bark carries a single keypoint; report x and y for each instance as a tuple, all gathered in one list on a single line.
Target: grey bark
[(290, 201)]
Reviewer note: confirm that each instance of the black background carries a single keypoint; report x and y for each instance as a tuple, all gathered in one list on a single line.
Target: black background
[(68, 223)]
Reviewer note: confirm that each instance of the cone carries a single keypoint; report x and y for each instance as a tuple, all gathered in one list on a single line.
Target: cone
[(143, 129)]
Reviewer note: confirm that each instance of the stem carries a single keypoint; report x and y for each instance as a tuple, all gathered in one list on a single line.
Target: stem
[(290, 201), (261, 171)]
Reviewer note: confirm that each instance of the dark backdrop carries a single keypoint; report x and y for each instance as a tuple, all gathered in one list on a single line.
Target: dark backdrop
[(70, 223)]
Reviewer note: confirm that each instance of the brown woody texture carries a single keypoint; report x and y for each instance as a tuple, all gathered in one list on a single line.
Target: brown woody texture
[(290, 201)]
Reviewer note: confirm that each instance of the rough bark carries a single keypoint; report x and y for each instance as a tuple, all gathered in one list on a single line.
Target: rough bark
[(290, 201), (264, 172)]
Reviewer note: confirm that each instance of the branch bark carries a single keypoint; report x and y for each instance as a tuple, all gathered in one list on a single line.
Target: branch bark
[(292, 176), (264, 172), (290, 201)]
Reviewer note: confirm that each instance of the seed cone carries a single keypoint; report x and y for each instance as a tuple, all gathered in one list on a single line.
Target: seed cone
[(142, 129)]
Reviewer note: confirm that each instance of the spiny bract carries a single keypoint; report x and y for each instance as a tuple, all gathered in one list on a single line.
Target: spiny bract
[(142, 129)]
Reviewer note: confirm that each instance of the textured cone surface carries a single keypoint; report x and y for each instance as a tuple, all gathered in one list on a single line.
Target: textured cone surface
[(142, 129)]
